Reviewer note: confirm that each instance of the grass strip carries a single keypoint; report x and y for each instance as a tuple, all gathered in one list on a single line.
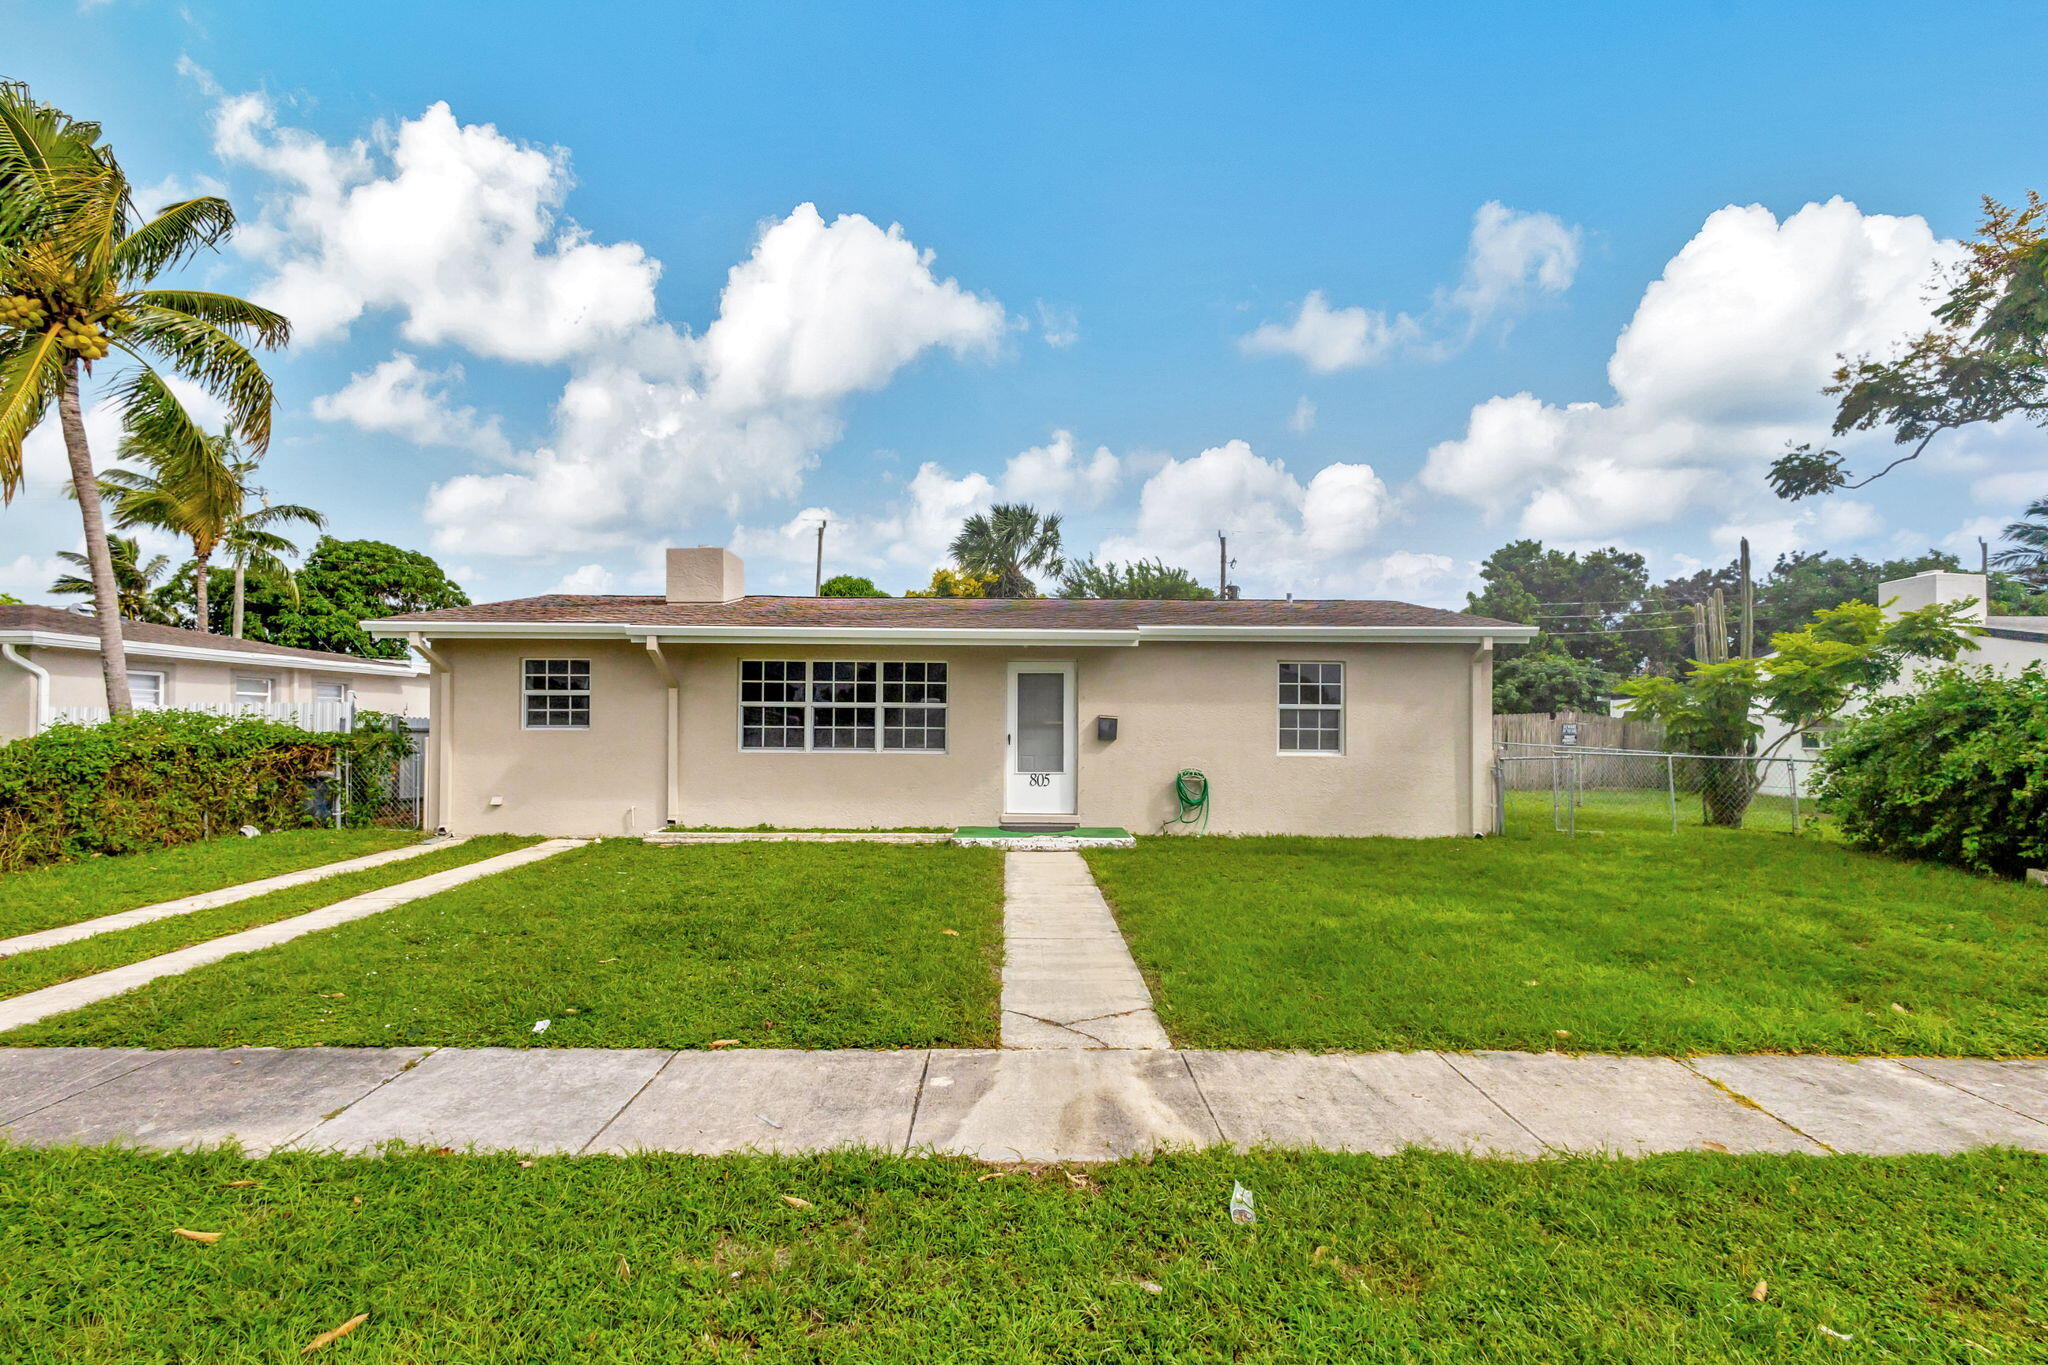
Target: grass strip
[(34, 970), (1708, 940), (65, 893), (619, 944), (865, 1260)]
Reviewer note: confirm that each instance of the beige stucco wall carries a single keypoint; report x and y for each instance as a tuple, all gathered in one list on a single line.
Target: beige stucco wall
[(75, 681), (1416, 718)]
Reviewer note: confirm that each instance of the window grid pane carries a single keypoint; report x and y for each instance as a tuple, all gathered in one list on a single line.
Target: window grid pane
[(556, 693), (1311, 701), (842, 705)]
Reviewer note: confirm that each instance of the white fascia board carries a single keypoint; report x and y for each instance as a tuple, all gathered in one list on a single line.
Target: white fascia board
[(939, 635), (43, 639)]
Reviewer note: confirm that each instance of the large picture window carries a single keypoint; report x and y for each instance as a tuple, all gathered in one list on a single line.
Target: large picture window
[(1311, 708), (835, 704), (555, 694)]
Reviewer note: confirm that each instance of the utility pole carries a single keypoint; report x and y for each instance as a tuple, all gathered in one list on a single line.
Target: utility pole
[(1222, 566), (1983, 557), (1748, 606), (818, 572)]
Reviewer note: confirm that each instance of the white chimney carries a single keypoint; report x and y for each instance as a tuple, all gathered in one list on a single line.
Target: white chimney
[(1935, 585), (705, 573)]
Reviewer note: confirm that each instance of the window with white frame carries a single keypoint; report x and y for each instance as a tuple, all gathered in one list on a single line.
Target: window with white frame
[(252, 691), (1311, 708), (146, 690), (842, 705), (555, 694), (330, 692)]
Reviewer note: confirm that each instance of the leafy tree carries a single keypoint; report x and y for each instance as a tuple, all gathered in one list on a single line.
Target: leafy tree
[(342, 584), (1984, 360), (77, 269), (196, 489), (2011, 597), (1141, 579), (1548, 680), (953, 583), (1597, 607), (1009, 542), (137, 593), (846, 585), (2028, 558), (8, 599), (1809, 677)]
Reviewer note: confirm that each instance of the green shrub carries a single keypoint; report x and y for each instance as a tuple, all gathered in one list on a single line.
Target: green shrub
[(153, 779), (1956, 771)]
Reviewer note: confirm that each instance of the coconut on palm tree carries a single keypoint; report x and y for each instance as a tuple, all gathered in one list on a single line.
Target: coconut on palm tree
[(78, 265), (2028, 559), (136, 580), (199, 490), (1009, 541)]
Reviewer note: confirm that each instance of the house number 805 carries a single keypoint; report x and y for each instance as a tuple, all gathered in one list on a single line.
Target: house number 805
[(1041, 779)]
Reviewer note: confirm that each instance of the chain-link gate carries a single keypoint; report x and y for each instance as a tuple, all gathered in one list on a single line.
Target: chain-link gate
[(1583, 790), (382, 774)]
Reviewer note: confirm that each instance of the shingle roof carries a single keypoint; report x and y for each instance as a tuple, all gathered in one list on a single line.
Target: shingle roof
[(956, 613), (57, 621)]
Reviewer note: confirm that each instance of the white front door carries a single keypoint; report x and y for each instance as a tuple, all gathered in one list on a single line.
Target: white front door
[(1039, 767)]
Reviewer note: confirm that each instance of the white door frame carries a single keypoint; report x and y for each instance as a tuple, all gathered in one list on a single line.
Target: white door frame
[(1057, 796)]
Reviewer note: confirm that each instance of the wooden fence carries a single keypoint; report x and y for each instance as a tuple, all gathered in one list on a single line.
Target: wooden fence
[(1546, 728)]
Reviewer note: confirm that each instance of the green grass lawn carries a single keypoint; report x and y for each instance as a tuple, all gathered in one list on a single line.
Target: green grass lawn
[(1705, 941), (65, 893), (34, 970), (1417, 1258), (620, 945)]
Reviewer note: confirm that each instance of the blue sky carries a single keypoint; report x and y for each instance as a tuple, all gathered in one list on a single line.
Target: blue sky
[(1374, 292)]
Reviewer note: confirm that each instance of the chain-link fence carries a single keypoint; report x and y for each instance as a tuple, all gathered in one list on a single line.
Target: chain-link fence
[(381, 779), (1584, 790)]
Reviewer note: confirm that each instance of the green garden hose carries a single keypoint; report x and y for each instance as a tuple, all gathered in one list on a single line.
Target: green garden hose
[(1191, 789)]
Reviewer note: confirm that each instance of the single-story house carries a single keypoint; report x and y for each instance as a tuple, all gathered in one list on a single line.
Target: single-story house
[(584, 715), (50, 672)]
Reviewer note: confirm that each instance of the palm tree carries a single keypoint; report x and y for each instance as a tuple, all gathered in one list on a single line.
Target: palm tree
[(135, 581), (1007, 541), (77, 262), (197, 490), (2028, 559), (259, 552)]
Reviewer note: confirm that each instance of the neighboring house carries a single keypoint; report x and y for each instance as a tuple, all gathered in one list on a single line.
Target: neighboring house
[(615, 715), (2004, 643), (50, 671)]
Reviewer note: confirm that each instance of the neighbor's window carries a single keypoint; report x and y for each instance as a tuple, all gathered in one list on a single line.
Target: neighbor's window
[(832, 704), (146, 691), (252, 691), (555, 694), (1311, 708), (330, 691)]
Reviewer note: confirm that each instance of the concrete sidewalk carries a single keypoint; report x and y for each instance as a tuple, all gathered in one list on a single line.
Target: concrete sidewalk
[(1068, 978), (1050, 1105)]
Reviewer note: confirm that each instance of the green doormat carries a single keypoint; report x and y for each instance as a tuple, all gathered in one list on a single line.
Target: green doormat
[(996, 832)]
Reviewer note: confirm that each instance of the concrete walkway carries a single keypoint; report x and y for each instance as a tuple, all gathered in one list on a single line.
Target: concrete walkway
[(1068, 979), (1056, 1105), (87, 990), (207, 900)]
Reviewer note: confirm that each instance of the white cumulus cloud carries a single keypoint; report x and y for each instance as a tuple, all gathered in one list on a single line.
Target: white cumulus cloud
[(1721, 365), (404, 398), (1329, 339)]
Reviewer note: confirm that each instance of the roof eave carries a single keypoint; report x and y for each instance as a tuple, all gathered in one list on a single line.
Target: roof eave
[(942, 635), (149, 649)]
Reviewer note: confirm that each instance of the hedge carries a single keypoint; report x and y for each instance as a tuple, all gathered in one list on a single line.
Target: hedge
[(153, 779), (1955, 772)]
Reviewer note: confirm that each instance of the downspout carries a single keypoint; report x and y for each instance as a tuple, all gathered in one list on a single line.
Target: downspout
[(1480, 807), (39, 686), (671, 775), (440, 721)]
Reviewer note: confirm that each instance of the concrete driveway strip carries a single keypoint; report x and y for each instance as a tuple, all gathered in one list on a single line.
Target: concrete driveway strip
[(1623, 1105), (1381, 1102), (87, 990), (1059, 1105), (771, 1100), (207, 900), (261, 1097), (32, 1077), (496, 1099), (1872, 1106)]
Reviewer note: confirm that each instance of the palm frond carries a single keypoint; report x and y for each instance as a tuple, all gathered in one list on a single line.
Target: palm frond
[(31, 374), (178, 232), (241, 319), (198, 350)]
